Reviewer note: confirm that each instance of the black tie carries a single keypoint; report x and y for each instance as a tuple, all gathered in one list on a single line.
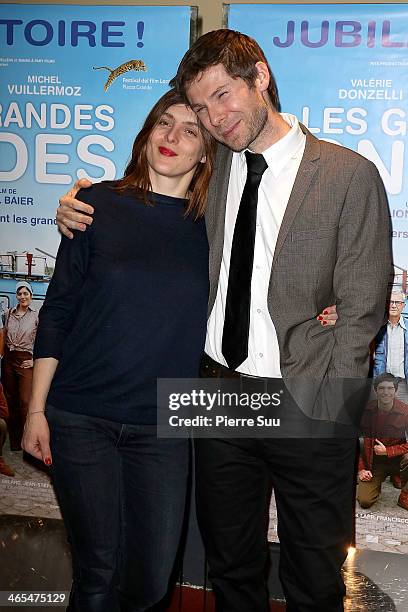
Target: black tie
[(236, 323)]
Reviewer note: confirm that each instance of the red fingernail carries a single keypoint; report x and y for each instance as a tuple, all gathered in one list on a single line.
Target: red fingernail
[(320, 317), (47, 461), (325, 312), (324, 322)]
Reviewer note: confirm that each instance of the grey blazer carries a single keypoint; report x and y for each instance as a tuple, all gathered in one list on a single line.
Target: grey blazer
[(334, 246)]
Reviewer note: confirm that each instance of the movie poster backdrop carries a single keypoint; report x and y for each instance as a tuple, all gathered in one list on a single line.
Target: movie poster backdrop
[(76, 84), (343, 71)]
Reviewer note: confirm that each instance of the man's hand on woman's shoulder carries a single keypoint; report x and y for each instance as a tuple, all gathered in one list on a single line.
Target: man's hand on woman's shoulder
[(72, 213)]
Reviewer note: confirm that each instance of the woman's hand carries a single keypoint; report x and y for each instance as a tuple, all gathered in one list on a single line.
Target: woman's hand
[(27, 363), (328, 316), (36, 437)]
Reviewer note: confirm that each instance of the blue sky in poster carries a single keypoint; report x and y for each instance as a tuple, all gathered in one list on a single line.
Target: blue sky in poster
[(343, 70), (57, 122)]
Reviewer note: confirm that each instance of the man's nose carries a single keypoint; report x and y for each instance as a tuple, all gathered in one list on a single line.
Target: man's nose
[(216, 115)]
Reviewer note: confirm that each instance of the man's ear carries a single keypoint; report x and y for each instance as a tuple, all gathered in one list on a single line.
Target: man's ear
[(263, 78)]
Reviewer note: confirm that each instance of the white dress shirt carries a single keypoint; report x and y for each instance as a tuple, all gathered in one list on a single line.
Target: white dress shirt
[(396, 348), (283, 159)]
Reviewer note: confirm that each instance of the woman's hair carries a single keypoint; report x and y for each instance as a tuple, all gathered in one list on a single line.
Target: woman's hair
[(24, 285), (136, 175)]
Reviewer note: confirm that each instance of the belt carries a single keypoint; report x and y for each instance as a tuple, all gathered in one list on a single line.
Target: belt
[(212, 369)]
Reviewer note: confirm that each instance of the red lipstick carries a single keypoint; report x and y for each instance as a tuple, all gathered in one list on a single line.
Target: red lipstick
[(167, 152)]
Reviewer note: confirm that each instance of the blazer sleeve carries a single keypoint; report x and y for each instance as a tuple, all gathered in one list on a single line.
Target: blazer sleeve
[(58, 312), (362, 272)]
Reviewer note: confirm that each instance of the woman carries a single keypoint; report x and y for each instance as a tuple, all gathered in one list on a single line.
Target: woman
[(20, 327), (126, 305), (5, 469)]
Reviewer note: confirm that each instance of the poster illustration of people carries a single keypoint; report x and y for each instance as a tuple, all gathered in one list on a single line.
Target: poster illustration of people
[(342, 70), (76, 85)]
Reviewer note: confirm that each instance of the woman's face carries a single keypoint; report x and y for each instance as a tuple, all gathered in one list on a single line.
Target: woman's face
[(175, 145), (24, 297)]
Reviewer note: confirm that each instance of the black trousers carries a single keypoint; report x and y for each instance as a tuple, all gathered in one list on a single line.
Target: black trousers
[(313, 480)]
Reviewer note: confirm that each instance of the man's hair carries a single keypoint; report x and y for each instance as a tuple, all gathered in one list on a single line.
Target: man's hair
[(385, 377), (136, 175), (237, 52), (400, 292)]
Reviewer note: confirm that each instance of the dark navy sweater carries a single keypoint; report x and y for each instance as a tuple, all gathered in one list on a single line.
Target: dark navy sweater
[(126, 305)]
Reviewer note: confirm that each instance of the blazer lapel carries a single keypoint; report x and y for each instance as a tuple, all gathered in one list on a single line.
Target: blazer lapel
[(215, 216), (307, 169)]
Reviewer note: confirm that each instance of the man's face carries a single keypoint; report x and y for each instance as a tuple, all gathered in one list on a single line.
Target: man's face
[(396, 304), (233, 113), (386, 393)]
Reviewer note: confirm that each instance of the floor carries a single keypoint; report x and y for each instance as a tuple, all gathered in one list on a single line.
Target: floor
[(30, 492), (383, 527), (34, 553)]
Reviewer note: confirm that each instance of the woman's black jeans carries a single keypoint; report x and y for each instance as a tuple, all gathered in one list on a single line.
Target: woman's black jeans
[(122, 495)]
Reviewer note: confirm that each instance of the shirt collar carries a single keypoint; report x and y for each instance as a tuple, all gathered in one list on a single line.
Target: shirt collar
[(14, 309), (286, 148), (397, 406), (401, 323)]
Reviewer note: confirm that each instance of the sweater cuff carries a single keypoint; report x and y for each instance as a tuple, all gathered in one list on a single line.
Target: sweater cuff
[(48, 343)]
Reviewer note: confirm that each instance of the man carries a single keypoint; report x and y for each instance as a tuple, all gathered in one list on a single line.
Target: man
[(312, 246), (391, 344), (385, 447)]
